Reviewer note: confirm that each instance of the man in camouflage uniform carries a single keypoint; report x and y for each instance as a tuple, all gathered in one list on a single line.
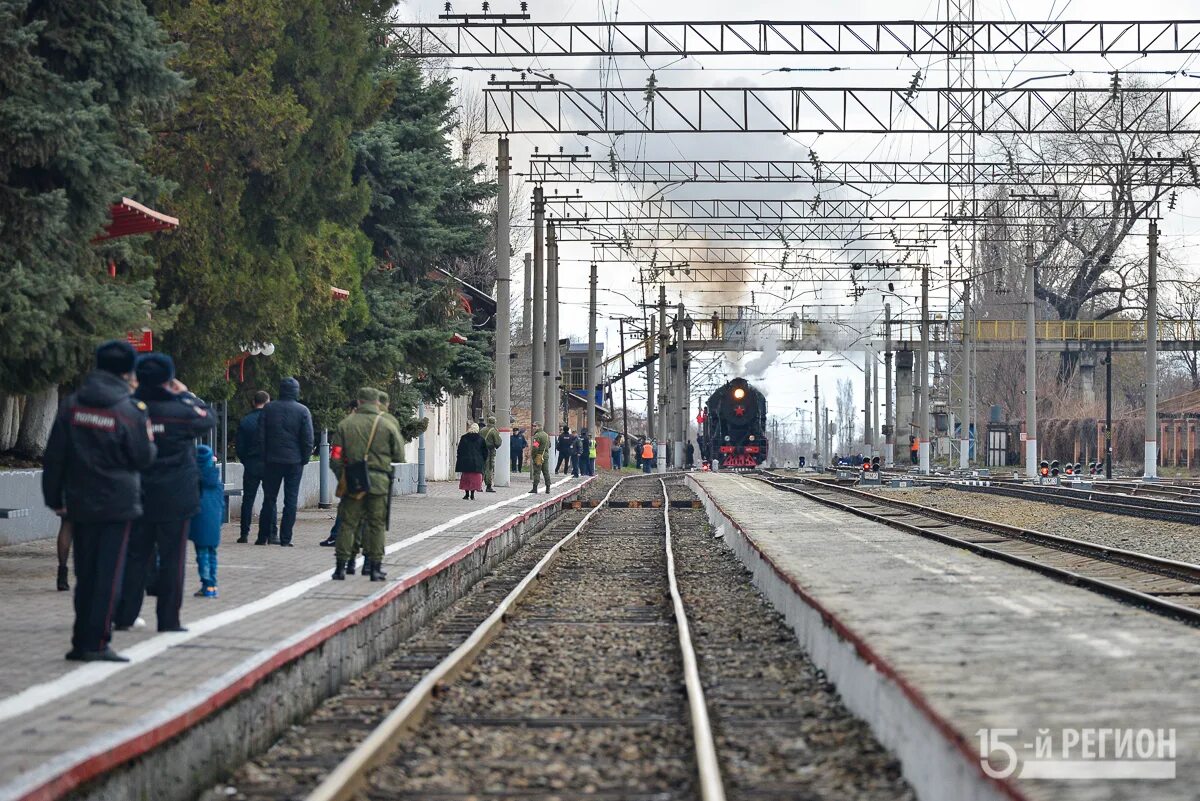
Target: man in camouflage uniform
[(539, 451), (350, 445), (491, 436)]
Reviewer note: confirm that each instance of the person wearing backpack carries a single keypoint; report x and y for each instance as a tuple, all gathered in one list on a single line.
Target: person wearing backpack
[(205, 530), (364, 447)]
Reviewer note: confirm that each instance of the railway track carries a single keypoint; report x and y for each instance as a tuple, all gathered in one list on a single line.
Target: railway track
[(576, 669), (1097, 500), (1162, 585)]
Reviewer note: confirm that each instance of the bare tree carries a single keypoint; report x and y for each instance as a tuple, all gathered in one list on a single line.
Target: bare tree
[(1182, 305), (846, 413)]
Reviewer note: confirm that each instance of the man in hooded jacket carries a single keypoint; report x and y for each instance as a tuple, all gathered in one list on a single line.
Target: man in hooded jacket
[(98, 445), (170, 493), (286, 433)]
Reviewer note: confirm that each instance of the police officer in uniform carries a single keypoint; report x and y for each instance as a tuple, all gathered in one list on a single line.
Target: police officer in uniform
[(365, 436), (491, 438), (170, 493), (100, 442), (539, 453)]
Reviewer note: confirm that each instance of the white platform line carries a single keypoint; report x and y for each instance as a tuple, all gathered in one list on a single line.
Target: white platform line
[(87, 675)]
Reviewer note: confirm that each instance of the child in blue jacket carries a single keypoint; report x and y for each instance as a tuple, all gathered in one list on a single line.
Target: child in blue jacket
[(205, 530)]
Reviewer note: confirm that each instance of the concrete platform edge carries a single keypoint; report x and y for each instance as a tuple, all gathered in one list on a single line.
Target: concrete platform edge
[(938, 762), (192, 743)]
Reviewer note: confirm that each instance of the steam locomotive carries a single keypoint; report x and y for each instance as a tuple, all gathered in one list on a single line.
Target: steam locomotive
[(735, 425)]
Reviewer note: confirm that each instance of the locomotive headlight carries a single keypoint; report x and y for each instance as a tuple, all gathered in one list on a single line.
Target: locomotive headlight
[(739, 393), (752, 438), (727, 438)]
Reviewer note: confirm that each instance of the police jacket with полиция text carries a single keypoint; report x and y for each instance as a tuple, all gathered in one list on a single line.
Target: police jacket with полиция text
[(99, 444), (171, 485)]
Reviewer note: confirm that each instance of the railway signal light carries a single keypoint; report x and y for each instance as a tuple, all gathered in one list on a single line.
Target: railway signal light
[(1054, 469), (1044, 468), (1070, 469), (875, 464)]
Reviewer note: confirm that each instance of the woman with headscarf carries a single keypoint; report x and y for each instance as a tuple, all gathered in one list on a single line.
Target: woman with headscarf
[(471, 457)]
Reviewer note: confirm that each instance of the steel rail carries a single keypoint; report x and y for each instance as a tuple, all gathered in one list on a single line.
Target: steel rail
[(711, 786), (1155, 566), (1095, 500), (348, 777)]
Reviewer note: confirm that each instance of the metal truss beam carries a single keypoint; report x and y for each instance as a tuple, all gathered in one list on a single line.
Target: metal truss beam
[(880, 210), (669, 231), (748, 276), (733, 38), (772, 257), (842, 173), (513, 108)]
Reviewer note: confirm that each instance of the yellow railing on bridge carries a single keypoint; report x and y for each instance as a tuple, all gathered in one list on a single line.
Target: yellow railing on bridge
[(1081, 330)]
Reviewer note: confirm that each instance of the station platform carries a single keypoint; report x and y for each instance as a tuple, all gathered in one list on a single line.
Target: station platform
[(281, 630), (933, 645)]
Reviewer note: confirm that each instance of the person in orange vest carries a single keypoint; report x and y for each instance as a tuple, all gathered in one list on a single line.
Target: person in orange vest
[(647, 456), (914, 449)]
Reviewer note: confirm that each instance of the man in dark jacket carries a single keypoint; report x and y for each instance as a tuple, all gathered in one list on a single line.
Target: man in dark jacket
[(563, 446), (249, 451), (170, 493), (286, 433), (100, 442), (516, 451)]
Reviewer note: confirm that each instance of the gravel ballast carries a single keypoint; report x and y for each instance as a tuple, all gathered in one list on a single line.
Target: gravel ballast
[(1179, 541)]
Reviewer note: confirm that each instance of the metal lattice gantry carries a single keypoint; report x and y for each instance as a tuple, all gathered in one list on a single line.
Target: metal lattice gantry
[(552, 108), (585, 170), (502, 38), (771, 210), (669, 231)]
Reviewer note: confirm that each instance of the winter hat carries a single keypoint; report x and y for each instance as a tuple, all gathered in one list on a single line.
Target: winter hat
[(155, 369), (116, 356)]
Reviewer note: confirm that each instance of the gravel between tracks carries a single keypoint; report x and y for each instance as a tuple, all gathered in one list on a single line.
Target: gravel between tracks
[(781, 730), (1180, 541)]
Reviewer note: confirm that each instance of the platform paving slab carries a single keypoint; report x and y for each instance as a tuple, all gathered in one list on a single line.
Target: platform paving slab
[(57, 711), (988, 645)]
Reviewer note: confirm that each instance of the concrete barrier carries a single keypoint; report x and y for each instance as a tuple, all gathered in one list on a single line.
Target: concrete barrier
[(22, 489)]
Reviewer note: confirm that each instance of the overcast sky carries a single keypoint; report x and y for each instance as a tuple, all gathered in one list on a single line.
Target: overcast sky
[(789, 380)]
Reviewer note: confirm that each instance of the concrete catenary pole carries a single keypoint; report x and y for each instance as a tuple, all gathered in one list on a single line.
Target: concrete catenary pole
[(591, 354), (537, 400), (1151, 467), (1031, 451), (923, 428), (527, 302), (964, 437), (679, 395), (868, 440), (651, 397), (503, 315), (663, 426), (818, 440), (875, 405), (553, 357), (889, 419)]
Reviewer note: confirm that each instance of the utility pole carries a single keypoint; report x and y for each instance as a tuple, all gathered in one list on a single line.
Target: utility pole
[(651, 397), (1151, 468), (1031, 451), (923, 428), (624, 394), (964, 439), (553, 359), (527, 303), (537, 400), (818, 440), (591, 356), (889, 422), (503, 314), (679, 400), (868, 439), (1108, 449), (875, 398), (663, 424)]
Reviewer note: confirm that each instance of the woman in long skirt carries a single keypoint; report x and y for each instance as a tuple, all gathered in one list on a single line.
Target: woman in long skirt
[(471, 457)]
